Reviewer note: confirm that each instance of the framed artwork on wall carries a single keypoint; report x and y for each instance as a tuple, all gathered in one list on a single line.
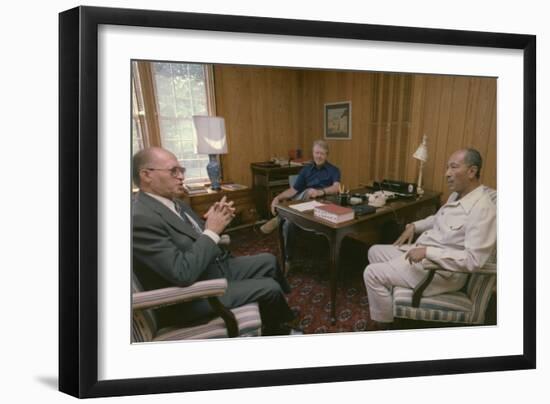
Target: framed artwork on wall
[(338, 120), (97, 46)]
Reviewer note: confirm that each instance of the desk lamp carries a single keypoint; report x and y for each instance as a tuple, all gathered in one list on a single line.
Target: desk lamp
[(421, 154), (210, 131)]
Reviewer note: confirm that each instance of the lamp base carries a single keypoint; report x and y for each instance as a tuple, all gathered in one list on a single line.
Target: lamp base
[(419, 189), (213, 170)]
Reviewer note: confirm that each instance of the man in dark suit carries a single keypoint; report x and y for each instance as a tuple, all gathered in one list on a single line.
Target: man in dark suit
[(172, 246)]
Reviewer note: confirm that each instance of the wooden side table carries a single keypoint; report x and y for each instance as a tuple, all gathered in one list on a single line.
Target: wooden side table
[(268, 180)]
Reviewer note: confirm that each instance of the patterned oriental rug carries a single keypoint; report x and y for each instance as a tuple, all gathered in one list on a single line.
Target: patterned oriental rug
[(309, 280)]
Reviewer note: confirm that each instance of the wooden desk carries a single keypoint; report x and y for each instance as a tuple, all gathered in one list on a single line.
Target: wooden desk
[(366, 228)]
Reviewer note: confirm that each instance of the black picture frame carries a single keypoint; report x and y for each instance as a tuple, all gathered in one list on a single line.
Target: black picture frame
[(78, 200), (337, 120)]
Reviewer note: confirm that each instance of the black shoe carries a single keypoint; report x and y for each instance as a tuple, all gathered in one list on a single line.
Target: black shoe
[(288, 267), (379, 326), (283, 329)]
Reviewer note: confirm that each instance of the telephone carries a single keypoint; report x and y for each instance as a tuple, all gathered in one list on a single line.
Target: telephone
[(399, 187), (379, 198)]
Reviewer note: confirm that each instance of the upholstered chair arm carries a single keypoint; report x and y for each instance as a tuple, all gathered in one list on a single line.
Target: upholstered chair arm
[(487, 269), (210, 289), (421, 286), (153, 299)]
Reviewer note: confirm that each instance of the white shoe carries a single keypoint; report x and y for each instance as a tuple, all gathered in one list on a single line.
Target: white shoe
[(269, 226)]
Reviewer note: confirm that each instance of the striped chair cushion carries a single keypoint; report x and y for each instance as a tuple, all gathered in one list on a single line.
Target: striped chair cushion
[(142, 329), (248, 320), (453, 307), (480, 288), (144, 323)]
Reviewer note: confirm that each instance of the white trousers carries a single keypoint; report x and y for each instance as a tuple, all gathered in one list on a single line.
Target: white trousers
[(388, 268)]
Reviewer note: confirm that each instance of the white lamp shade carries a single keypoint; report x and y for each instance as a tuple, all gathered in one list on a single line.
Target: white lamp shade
[(422, 152), (210, 131)]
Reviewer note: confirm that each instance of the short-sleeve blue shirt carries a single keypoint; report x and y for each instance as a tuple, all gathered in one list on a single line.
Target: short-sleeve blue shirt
[(315, 177)]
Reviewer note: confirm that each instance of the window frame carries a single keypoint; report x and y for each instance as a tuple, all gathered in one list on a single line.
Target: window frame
[(143, 83)]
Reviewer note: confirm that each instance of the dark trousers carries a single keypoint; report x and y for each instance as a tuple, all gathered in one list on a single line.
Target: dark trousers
[(258, 278), (289, 237), (289, 229), (255, 278)]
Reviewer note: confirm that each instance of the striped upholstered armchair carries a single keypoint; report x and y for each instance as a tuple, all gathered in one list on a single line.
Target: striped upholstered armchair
[(466, 306), (241, 321)]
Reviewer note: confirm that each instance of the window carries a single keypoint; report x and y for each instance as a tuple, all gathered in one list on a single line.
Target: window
[(177, 91), (137, 115)]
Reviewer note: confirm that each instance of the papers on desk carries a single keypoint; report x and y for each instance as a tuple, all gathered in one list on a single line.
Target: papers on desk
[(302, 207)]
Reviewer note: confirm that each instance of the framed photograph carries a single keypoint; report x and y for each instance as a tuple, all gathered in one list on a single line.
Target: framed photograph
[(97, 49), (338, 120)]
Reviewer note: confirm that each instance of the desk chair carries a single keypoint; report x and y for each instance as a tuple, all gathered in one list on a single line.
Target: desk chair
[(292, 179), (466, 306), (241, 321)]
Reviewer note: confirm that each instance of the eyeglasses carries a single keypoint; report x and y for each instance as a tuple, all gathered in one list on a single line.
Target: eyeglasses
[(174, 171)]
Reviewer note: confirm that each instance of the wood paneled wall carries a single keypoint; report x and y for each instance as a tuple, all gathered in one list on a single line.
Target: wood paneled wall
[(269, 111), (381, 121), (263, 113), (456, 112)]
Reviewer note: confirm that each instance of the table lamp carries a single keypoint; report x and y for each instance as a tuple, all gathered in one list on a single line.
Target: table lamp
[(421, 154), (210, 132)]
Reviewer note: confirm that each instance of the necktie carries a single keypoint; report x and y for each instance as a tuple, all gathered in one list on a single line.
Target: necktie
[(187, 219)]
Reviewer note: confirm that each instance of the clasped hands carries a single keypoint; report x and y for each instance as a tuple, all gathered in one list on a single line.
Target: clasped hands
[(416, 254), (219, 215)]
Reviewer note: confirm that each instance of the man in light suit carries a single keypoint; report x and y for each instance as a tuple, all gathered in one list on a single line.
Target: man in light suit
[(460, 237), (172, 246)]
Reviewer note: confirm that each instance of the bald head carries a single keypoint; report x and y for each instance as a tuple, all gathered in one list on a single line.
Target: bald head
[(158, 172), (148, 157), (463, 171)]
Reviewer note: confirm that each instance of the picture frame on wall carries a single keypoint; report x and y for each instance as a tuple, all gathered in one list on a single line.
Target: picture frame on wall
[(96, 46), (337, 120)]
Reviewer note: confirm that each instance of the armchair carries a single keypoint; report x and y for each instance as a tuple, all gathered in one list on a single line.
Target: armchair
[(241, 321), (466, 306)]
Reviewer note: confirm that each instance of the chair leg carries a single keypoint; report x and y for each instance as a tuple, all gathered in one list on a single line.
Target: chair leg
[(491, 311), (227, 316)]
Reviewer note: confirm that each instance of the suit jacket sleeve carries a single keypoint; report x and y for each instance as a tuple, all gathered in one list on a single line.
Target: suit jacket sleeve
[(181, 263)]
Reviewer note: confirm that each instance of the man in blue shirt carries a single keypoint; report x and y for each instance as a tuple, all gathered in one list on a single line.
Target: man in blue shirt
[(314, 180)]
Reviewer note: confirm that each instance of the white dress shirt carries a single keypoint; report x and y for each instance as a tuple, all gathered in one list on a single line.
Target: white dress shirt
[(170, 204), (461, 236)]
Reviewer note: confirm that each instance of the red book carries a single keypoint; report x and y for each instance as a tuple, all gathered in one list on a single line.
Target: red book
[(334, 213)]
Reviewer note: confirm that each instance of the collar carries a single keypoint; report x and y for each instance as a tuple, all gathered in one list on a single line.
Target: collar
[(170, 204), (468, 201), (326, 164), (156, 203)]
